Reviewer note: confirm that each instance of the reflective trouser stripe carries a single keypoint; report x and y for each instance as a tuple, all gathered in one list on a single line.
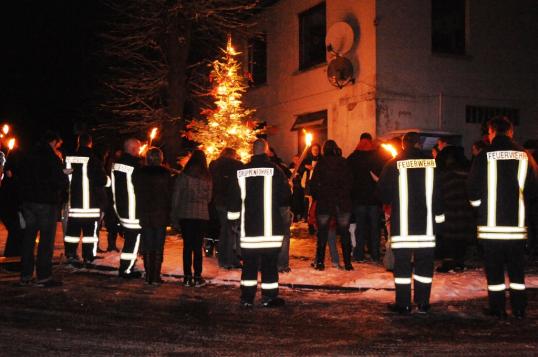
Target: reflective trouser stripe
[(133, 260), (476, 203), (403, 202), (497, 287), (502, 229), (89, 239), (69, 239), (402, 280), (249, 282), (233, 215), (269, 286), (423, 279), (128, 256), (516, 286), (502, 236)]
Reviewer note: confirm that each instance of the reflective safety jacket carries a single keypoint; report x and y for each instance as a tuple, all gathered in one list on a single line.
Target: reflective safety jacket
[(255, 197), (502, 177), (123, 190), (87, 177), (409, 183)]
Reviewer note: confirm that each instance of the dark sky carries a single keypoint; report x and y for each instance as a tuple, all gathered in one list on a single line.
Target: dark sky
[(49, 69)]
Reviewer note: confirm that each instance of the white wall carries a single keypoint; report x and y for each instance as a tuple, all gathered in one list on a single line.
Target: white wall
[(499, 70)]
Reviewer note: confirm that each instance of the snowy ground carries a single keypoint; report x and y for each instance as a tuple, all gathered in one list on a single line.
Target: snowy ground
[(372, 279)]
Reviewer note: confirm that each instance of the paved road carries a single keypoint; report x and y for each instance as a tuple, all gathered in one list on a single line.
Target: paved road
[(94, 314)]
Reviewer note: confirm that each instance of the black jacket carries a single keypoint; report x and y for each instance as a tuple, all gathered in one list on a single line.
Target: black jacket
[(42, 177), (153, 191), (87, 183), (255, 197), (364, 163), (502, 177), (223, 173), (409, 183), (331, 185), (123, 190)]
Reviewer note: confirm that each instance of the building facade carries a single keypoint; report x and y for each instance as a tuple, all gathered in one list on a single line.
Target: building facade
[(428, 64)]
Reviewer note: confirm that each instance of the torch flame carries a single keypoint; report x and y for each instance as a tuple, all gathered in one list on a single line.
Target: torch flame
[(390, 149), (229, 48), (142, 149), (11, 144), (153, 133), (308, 137), (5, 129)]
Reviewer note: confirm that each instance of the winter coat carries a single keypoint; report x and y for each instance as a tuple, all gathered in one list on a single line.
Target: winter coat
[(42, 177), (190, 198), (255, 198), (410, 183), (87, 183), (331, 185), (364, 163), (123, 190), (153, 190), (223, 173), (502, 178)]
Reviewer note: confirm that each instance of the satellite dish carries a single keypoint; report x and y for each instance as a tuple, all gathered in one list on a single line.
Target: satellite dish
[(340, 72), (339, 39)]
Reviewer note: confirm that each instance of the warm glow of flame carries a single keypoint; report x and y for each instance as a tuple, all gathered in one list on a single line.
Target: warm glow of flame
[(143, 149), (222, 89), (153, 133), (244, 155), (308, 137), (11, 144), (229, 48), (5, 129), (210, 149), (390, 149)]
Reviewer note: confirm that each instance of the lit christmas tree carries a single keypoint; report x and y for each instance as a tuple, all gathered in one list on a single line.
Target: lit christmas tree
[(229, 124)]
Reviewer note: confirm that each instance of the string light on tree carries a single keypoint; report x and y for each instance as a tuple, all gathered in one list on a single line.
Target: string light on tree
[(229, 124)]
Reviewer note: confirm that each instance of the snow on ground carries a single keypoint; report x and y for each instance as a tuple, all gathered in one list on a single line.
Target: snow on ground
[(373, 279)]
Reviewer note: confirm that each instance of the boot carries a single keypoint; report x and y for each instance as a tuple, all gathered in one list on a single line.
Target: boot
[(156, 270), (148, 267), (346, 250)]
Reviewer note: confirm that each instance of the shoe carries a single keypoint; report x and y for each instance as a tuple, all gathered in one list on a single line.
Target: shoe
[(459, 268), (25, 282), (348, 267), (498, 313), (74, 262), (273, 302), (246, 304), (187, 281), (88, 265), (360, 260), (423, 308), (199, 282), (319, 266), (402, 310), (518, 314), (48, 283), (99, 250), (132, 275)]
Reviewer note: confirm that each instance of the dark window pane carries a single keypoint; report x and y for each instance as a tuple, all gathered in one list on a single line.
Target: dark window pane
[(448, 26), (312, 30), (257, 60)]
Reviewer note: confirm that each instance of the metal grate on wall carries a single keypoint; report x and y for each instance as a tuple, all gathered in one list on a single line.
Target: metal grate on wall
[(480, 114)]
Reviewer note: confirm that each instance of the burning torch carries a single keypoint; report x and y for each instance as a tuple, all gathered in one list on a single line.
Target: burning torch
[(308, 137), (152, 135)]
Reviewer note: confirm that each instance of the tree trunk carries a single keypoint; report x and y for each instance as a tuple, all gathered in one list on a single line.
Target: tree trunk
[(177, 54)]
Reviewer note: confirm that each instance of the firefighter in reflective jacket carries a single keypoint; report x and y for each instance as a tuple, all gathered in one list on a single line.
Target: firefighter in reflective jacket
[(255, 198), (86, 179), (502, 177), (125, 206), (409, 184)]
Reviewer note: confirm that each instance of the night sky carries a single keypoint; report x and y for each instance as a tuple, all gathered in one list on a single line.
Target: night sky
[(50, 65)]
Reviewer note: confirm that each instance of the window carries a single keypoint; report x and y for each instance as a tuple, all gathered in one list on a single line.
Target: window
[(315, 123), (312, 31), (257, 60), (448, 26), (480, 115)]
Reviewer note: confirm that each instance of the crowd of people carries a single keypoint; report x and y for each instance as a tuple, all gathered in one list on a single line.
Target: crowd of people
[(427, 205)]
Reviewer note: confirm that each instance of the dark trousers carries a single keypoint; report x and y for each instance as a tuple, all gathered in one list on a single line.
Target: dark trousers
[(39, 218), (266, 260), (15, 234), (496, 254), (367, 231), (192, 231), (284, 255), (89, 227), (228, 238), (113, 227), (422, 274), (454, 249), (129, 253), (153, 239), (342, 223)]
